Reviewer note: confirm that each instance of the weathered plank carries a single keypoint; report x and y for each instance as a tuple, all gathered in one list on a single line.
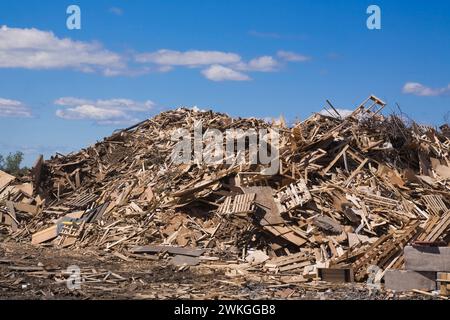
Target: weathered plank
[(169, 249)]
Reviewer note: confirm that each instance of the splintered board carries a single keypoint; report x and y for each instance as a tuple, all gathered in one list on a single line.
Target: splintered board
[(239, 204), (293, 196), (5, 179)]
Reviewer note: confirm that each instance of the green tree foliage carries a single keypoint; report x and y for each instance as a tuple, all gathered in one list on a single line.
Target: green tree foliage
[(12, 163)]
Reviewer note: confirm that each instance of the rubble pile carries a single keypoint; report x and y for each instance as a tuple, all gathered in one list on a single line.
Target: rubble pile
[(350, 193)]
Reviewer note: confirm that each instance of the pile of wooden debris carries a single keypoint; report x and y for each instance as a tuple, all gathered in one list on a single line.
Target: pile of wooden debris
[(349, 194)]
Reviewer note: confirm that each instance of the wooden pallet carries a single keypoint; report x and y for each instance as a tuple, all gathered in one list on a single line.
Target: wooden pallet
[(436, 228), (432, 230), (435, 205), (374, 200), (71, 229), (69, 233), (293, 196), (371, 106), (239, 204), (384, 250), (287, 263), (251, 179), (81, 200)]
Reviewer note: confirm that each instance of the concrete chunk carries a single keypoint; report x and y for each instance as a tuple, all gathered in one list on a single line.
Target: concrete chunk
[(406, 280), (427, 258)]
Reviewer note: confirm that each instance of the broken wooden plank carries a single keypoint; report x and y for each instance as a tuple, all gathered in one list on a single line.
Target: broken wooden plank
[(169, 249), (287, 234), (183, 260), (332, 163), (24, 207), (5, 179), (354, 173), (265, 202), (45, 235)]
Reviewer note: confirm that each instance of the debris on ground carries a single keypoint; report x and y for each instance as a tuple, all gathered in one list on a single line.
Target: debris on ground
[(349, 195)]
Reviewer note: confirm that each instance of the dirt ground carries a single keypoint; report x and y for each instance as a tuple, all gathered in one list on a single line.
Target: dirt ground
[(27, 272)]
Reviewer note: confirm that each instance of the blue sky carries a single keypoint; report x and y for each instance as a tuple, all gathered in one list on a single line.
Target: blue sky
[(61, 90)]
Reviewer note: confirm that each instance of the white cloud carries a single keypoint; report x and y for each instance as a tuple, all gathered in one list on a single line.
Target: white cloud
[(220, 73), (419, 89), (36, 49), (221, 65), (119, 104), (41, 50), (188, 58), (195, 58), (292, 56), (87, 111), (261, 64), (265, 63), (13, 109), (116, 10), (343, 112), (104, 112), (164, 69)]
